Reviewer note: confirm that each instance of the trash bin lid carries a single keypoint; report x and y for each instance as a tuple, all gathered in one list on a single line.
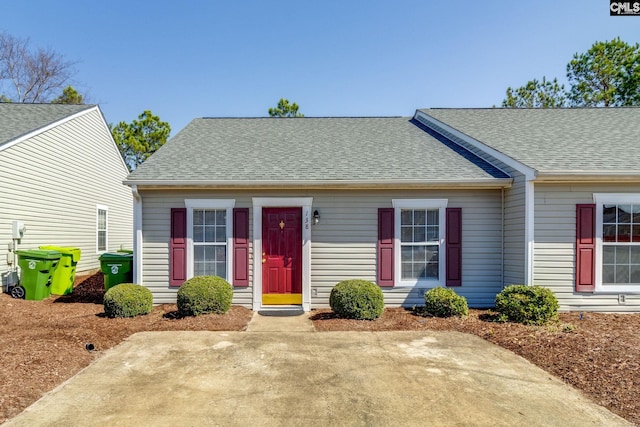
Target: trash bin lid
[(65, 250), (116, 257), (38, 254)]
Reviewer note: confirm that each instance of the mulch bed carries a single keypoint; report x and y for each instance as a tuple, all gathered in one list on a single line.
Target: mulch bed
[(42, 343)]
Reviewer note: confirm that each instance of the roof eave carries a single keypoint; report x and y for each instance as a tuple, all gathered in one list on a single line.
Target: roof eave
[(489, 183)]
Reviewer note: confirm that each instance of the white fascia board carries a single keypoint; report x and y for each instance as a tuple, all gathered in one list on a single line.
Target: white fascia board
[(588, 177), (48, 127), (528, 172)]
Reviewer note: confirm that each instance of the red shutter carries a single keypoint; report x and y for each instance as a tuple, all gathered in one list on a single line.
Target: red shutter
[(585, 247), (241, 247), (178, 247), (453, 247), (385, 246)]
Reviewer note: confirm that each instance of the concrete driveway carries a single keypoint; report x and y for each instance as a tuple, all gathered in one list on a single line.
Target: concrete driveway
[(304, 378)]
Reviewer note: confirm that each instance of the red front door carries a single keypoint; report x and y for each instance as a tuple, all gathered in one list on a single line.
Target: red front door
[(282, 255)]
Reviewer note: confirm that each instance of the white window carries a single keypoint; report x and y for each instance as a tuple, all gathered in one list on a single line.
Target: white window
[(617, 242), (419, 241), (209, 237), (102, 218)]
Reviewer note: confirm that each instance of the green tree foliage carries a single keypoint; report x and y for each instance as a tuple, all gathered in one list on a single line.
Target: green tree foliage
[(30, 75), (284, 109), (69, 96), (141, 138), (536, 94), (607, 75)]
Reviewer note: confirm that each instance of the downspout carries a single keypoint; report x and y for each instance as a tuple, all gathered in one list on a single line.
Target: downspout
[(502, 238), (529, 230), (137, 235)]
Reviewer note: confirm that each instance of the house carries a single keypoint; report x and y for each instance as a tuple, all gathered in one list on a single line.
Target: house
[(474, 199), (61, 176)]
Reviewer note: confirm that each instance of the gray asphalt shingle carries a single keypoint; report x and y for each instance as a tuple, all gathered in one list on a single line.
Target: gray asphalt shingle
[(19, 119), (308, 150), (555, 140)]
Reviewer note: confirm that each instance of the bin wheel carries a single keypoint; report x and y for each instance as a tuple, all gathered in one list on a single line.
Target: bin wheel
[(18, 292)]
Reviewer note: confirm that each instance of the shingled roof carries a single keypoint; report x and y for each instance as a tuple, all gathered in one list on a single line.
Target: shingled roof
[(567, 140), (310, 151), (17, 120)]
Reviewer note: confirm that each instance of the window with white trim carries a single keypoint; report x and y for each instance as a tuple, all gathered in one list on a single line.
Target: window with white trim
[(617, 242), (419, 234), (101, 228), (209, 237)]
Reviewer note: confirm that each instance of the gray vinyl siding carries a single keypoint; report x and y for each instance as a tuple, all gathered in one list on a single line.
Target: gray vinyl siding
[(53, 182), (555, 241), (344, 243), (514, 210)]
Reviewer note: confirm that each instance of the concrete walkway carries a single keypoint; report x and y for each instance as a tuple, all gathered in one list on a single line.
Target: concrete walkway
[(278, 373)]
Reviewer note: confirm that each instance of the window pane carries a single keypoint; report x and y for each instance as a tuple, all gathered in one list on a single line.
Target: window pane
[(635, 274), (419, 217), (635, 255), (622, 273), (635, 233), (102, 240), (432, 218), (624, 214), (406, 234), (609, 233), (636, 214), (406, 217), (624, 233), (198, 216), (432, 233), (406, 254), (622, 255), (419, 234), (407, 271), (221, 234), (210, 217), (609, 214), (608, 274), (209, 234), (198, 233), (420, 254), (608, 254), (221, 217)]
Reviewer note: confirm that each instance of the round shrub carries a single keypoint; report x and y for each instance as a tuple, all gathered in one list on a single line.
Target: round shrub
[(357, 299), (444, 302), (531, 305), (204, 294), (127, 300)]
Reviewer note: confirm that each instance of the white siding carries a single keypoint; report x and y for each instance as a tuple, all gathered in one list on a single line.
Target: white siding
[(555, 241), (53, 181), (343, 245)]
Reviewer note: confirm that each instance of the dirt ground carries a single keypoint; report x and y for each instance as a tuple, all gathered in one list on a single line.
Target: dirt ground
[(43, 343)]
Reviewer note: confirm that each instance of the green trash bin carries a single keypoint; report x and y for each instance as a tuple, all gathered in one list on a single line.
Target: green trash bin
[(65, 274), (36, 269), (117, 268)]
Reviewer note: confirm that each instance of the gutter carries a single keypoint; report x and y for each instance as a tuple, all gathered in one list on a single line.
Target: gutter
[(137, 235), (490, 183)]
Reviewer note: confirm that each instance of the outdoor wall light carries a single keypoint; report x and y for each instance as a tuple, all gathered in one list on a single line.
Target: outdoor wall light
[(316, 217)]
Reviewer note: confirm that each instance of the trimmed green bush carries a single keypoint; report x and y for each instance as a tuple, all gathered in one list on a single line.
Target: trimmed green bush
[(531, 305), (357, 299), (127, 300), (444, 302), (203, 295)]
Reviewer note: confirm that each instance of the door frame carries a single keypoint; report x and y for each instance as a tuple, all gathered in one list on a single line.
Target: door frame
[(282, 202)]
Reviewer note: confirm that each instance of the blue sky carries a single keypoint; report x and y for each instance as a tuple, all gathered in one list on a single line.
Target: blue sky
[(186, 59)]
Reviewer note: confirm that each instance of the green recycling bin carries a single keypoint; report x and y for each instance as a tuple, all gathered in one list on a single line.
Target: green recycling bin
[(36, 269), (65, 274), (117, 268)]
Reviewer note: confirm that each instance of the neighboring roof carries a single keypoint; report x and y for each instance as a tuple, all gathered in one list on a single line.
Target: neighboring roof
[(595, 141), (17, 120), (310, 151)]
